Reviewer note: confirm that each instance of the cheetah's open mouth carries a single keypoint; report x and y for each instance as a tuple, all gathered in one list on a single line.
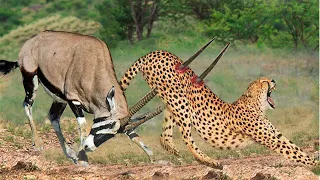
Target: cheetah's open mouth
[(269, 99)]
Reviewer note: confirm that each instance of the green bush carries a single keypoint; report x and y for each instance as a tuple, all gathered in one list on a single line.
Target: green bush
[(18, 36)]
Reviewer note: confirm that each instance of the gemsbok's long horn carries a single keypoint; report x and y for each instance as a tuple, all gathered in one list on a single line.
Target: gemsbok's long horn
[(207, 71), (143, 101), (135, 108), (144, 118), (187, 62)]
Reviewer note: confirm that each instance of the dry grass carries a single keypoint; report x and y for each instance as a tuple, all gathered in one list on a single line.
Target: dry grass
[(296, 114)]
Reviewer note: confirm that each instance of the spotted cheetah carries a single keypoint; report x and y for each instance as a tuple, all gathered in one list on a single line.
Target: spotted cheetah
[(189, 102)]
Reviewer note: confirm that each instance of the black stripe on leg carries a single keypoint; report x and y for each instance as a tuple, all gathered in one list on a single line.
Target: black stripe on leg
[(56, 110), (28, 85), (76, 109)]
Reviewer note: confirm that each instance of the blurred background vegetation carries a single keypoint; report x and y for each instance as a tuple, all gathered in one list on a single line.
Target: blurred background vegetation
[(271, 23), (272, 38)]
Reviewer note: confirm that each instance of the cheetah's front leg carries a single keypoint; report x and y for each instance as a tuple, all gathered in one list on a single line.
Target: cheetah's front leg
[(270, 137), (185, 129)]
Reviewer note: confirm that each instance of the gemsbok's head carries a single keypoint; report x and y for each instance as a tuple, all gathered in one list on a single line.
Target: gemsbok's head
[(103, 127)]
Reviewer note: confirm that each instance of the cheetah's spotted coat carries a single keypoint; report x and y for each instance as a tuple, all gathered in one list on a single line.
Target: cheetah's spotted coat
[(189, 102)]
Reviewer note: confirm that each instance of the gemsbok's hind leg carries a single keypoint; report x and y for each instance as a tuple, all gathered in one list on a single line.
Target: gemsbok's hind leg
[(78, 112), (31, 83), (54, 116)]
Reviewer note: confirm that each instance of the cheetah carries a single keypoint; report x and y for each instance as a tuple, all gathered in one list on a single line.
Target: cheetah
[(190, 103)]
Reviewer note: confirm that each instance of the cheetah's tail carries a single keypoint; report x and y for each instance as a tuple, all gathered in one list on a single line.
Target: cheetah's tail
[(131, 73)]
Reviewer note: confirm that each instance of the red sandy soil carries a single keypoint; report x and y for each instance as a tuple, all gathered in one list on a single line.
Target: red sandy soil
[(25, 163)]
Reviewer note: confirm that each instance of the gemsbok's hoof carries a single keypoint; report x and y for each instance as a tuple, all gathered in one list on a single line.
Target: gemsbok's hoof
[(83, 158), (71, 154), (83, 163)]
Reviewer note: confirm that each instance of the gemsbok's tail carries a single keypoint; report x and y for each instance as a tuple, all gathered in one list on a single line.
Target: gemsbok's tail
[(7, 66)]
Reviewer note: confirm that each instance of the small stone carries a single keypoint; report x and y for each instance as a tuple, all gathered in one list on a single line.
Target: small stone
[(160, 175), (127, 175), (77, 178), (25, 166), (29, 177), (214, 175), (260, 176)]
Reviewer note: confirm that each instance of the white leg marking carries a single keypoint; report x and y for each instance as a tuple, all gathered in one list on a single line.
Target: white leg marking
[(28, 110), (76, 103), (71, 153), (35, 82), (81, 120)]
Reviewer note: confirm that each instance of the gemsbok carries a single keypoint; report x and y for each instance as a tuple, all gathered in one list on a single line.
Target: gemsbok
[(77, 70)]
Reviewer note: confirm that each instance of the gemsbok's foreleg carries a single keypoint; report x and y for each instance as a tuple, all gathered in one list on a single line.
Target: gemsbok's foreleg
[(54, 116), (31, 84), (78, 112)]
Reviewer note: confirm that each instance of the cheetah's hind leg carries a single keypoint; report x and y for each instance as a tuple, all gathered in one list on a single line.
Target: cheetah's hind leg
[(185, 129), (166, 135)]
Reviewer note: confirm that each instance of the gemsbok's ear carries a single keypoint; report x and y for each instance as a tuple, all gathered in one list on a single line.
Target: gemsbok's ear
[(110, 100)]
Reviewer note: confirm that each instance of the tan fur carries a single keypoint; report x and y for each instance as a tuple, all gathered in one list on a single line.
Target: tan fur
[(223, 125), (79, 66)]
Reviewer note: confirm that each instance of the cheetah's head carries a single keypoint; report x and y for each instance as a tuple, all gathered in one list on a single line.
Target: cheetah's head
[(260, 91)]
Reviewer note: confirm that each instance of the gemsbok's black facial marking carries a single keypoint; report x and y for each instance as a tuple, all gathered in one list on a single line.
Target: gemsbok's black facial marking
[(94, 130), (101, 138), (97, 120)]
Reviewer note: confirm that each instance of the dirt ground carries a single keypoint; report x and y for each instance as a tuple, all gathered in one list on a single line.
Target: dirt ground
[(25, 163)]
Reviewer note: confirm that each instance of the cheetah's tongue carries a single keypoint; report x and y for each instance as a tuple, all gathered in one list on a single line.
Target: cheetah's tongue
[(270, 101)]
